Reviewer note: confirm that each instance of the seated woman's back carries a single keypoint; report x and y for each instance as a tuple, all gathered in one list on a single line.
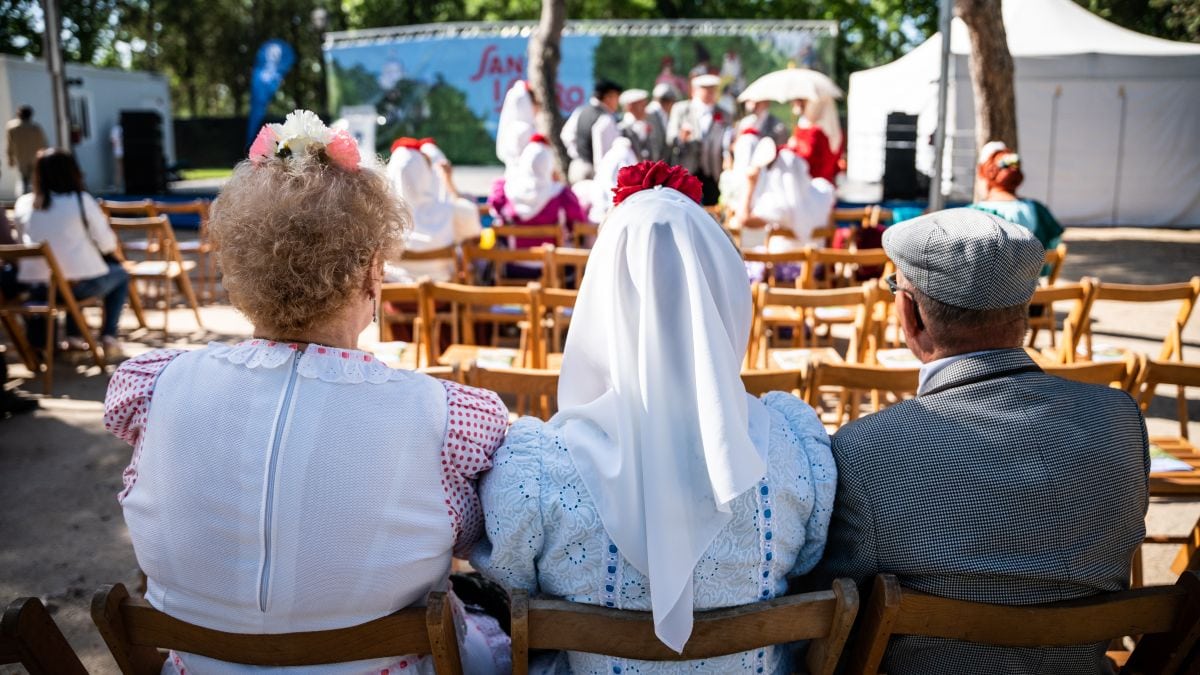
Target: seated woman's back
[(291, 482), (661, 484), (544, 533)]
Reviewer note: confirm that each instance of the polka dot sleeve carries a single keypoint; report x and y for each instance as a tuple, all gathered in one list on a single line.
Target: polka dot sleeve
[(127, 403), (476, 421)]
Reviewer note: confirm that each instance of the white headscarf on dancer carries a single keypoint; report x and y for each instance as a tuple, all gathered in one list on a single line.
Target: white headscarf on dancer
[(530, 184), (652, 407), (433, 213), (743, 149), (788, 196), (516, 125), (619, 156)]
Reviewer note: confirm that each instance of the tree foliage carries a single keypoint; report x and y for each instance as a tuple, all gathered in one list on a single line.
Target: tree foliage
[(207, 47)]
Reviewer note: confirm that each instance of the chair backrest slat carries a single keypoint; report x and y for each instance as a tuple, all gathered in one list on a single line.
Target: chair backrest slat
[(1166, 615), (134, 631), (535, 389), (554, 232), (29, 636), (824, 617), (759, 382)]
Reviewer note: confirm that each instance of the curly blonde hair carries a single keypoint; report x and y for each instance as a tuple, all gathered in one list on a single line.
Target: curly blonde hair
[(296, 236)]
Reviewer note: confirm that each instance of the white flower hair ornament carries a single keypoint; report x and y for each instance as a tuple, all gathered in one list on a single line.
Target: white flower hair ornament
[(301, 131)]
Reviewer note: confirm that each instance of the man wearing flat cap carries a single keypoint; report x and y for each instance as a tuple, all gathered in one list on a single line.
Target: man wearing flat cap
[(699, 133), (998, 483)]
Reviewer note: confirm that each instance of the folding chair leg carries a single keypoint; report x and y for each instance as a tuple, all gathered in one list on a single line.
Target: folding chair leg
[(20, 341), (76, 314), (185, 285), (135, 303), (166, 290)]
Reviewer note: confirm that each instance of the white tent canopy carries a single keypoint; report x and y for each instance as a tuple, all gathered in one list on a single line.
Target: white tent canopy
[(1107, 118)]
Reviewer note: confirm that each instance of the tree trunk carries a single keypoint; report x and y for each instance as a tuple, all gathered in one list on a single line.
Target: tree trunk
[(991, 74), (545, 53)]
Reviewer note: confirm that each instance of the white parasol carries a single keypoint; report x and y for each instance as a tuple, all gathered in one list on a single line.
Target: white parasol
[(791, 84)]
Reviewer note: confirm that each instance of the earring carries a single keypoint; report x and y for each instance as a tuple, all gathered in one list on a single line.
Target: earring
[(374, 308)]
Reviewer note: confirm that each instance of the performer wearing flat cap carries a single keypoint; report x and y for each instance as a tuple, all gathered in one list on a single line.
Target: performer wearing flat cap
[(699, 134), (998, 483)]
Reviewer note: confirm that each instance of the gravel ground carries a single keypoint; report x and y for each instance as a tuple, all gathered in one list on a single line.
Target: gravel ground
[(63, 532)]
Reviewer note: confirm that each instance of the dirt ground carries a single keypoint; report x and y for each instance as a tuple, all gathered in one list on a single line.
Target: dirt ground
[(61, 527)]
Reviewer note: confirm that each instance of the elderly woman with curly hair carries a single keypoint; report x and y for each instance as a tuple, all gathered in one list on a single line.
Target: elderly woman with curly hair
[(292, 482)]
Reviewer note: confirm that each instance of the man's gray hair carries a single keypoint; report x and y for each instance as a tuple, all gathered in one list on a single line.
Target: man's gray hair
[(962, 325)]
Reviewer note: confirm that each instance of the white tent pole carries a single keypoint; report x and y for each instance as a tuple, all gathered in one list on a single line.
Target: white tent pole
[(936, 199), (54, 60)]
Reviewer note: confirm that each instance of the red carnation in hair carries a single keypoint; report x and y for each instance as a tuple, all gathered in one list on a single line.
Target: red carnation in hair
[(649, 175), (749, 131), (407, 143), (426, 141), (538, 138)]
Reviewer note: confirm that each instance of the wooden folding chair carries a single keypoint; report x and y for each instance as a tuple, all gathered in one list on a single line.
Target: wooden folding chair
[(481, 304), (1186, 293), (801, 309), (59, 297), (1055, 258), (557, 305), (200, 248), (1155, 373), (1118, 374), (759, 382), (1187, 557), (146, 247), (401, 304), (820, 237), (1167, 616), (583, 234), (135, 632), (824, 617), (562, 265), (852, 379), (512, 233), (773, 263), (448, 254), (841, 266), (170, 270), (500, 259), (534, 389), (29, 636), (1083, 295)]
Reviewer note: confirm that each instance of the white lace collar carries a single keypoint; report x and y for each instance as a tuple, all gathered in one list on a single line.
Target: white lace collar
[(328, 364)]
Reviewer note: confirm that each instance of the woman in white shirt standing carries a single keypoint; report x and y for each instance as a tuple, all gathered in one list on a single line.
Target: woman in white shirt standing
[(61, 213)]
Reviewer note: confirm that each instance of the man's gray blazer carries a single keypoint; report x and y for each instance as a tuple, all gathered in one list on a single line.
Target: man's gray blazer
[(999, 484)]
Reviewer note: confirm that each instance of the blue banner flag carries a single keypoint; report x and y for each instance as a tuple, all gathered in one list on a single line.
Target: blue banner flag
[(274, 60)]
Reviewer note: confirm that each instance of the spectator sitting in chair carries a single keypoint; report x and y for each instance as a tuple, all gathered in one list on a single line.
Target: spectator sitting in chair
[(60, 212), (998, 483)]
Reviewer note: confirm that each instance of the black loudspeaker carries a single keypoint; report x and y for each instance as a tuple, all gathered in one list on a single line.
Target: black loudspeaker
[(145, 165), (900, 158)]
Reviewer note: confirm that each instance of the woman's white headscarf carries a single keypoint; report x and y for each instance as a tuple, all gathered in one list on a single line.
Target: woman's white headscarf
[(788, 196), (652, 407), (432, 210), (530, 184), (743, 149), (516, 125), (619, 156)]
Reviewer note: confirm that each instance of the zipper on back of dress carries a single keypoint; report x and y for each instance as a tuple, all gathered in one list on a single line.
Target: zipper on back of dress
[(281, 420)]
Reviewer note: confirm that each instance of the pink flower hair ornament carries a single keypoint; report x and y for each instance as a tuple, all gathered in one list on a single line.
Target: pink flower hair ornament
[(300, 132)]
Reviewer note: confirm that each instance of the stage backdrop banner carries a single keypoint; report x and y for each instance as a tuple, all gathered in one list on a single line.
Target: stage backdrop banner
[(449, 80)]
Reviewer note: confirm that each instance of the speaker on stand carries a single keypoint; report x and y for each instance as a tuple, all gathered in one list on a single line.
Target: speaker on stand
[(144, 163), (900, 179)]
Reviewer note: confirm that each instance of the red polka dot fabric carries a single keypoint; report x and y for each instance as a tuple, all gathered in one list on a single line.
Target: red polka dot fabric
[(127, 403), (476, 422)]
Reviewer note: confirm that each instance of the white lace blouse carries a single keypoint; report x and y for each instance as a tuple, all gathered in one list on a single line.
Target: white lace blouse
[(277, 490), (544, 535)]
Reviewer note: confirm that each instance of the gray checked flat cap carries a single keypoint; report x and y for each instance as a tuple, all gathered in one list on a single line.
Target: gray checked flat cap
[(967, 258)]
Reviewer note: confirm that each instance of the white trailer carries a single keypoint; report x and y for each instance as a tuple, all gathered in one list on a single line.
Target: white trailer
[(97, 96)]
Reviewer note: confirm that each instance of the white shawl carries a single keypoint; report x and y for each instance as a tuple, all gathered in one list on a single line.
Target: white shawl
[(652, 407)]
